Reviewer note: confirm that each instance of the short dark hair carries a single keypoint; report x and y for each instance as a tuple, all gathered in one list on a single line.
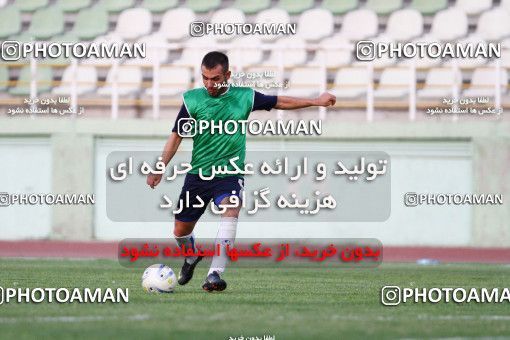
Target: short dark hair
[(215, 58)]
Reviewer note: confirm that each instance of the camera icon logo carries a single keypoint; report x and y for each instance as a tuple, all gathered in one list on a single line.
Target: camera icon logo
[(4, 199), (391, 295), (365, 50), (11, 50), (411, 199), (187, 127), (197, 29)]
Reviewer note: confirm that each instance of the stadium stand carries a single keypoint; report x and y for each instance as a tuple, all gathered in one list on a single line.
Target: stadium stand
[(306, 81), (384, 7), (4, 78), (359, 24), (175, 23), (230, 15), (129, 79), (165, 25), (429, 7), (115, 6), (83, 77), (73, 5), (273, 15), (91, 23), (307, 25), (201, 6), (339, 7), (43, 76), (157, 6), (30, 5), (125, 28), (251, 7), (483, 82), (46, 23), (173, 80), (440, 83), (10, 21), (394, 83), (351, 83), (295, 6), (449, 24), (473, 7)]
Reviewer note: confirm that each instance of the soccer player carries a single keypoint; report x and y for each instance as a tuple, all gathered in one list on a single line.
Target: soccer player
[(217, 101)]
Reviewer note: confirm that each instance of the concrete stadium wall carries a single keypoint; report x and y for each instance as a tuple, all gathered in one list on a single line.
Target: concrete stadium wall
[(68, 156)]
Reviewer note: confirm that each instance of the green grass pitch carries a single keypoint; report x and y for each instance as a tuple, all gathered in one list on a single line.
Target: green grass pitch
[(288, 303)]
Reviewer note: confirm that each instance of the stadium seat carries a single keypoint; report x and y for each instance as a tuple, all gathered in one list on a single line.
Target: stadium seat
[(4, 78), (308, 28), (91, 23), (273, 15), (129, 81), (30, 5), (394, 83), (175, 24), (73, 5), (292, 49), (333, 58), (359, 24), (494, 24), (384, 7), (404, 25), (251, 7), (351, 83), (201, 6), (295, 6), (44, 78), (173, 81), (10, 21), (305, 82), (449, 24), (46, 22), (439, 83), (115, 6), (194, 50), (61, 60), (245, 51), (151, 43), (103, 39), (158, 6), (473, 7), (483, 82), (339, 7), (227, 15), (426, 61), (85, 77), (125, 27), (429, 7)]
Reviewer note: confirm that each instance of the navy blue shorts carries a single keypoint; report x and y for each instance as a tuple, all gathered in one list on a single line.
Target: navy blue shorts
[(217, 189)]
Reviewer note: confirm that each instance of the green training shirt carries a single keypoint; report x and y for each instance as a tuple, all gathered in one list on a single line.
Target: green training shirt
[(211, 148)]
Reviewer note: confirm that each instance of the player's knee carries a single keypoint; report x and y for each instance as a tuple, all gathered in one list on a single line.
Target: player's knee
[(231, 211), (183, 228)]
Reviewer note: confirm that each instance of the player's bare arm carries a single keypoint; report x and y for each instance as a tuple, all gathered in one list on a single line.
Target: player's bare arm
[(291, 103), (171, 146)]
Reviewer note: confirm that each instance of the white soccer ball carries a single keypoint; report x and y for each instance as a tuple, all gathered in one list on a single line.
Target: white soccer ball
[(159, 278)]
